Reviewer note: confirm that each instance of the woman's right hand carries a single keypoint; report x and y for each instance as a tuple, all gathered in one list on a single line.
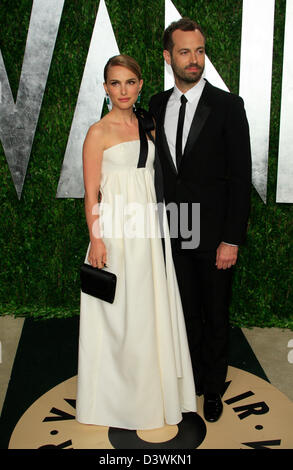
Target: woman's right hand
[(97, 256)]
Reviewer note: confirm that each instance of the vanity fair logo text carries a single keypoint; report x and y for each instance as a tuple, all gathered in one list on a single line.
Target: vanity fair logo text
[(18, 120)]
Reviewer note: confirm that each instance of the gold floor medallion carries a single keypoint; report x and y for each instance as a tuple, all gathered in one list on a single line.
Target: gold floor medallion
[(255, 415)]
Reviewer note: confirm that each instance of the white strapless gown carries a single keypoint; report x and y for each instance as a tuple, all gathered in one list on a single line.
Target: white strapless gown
[(134, 368)]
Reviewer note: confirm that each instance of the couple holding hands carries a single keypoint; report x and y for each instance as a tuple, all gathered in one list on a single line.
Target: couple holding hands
[(164, 340)]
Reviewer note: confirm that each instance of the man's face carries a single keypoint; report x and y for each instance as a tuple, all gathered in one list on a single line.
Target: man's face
[(187, 58)]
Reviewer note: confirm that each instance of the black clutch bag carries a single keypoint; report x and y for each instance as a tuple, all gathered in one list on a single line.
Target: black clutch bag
[(98, 283)]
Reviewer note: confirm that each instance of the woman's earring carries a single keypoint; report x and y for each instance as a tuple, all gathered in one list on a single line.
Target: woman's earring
[(138, 99), (108, 101)]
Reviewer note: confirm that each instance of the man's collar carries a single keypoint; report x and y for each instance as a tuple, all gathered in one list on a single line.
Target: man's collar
[(192, 93)]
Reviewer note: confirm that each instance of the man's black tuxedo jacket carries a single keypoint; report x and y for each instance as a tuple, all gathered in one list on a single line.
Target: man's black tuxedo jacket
[(215, 170)]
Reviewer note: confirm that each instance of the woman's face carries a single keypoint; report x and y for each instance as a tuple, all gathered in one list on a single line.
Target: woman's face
[(123, 86)]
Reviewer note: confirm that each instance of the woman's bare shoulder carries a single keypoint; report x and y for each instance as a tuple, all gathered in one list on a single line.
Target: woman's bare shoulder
[(97, 129), (97, 134)]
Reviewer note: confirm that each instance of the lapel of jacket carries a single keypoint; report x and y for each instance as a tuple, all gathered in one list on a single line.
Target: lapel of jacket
[(200, 116), (160, 132)]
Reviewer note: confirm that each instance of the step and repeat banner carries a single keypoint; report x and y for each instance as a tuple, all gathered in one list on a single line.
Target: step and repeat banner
[(18, 119)]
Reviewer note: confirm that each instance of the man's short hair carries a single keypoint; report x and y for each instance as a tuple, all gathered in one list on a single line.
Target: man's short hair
[(184, 24)]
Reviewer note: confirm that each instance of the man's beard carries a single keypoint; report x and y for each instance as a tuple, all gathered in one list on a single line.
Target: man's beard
[(184, 75)]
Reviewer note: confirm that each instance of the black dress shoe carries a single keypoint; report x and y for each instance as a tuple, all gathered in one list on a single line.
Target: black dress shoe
[(212, 407)]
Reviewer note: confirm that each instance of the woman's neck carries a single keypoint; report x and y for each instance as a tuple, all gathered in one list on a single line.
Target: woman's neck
[(125, 116)]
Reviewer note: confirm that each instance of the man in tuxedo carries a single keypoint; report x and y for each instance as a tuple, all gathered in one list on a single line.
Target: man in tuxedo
[(203, 148)]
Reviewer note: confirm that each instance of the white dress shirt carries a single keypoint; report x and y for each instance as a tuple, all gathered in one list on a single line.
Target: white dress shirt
[(172, 111), (171, 117)]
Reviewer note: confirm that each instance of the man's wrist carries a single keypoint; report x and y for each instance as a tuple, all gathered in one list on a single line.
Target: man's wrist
[(231, 244)]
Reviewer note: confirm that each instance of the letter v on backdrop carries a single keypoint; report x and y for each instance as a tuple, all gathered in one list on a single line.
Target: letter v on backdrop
[(18, 120)]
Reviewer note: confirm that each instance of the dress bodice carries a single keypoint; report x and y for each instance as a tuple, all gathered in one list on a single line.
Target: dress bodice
[(124, 156)]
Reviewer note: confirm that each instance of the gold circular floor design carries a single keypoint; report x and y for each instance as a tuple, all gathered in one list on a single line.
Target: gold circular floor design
[(238, 428)]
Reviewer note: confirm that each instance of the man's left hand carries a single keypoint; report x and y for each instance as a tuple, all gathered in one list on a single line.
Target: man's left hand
[(226, 256)]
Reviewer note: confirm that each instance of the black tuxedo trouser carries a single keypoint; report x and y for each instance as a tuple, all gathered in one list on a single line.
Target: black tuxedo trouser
[(205, 294)]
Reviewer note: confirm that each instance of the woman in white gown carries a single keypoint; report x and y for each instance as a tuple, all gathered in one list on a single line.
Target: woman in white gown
[(134, 368)]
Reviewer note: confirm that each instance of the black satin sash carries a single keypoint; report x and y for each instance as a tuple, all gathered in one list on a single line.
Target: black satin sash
[(145, 125)]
